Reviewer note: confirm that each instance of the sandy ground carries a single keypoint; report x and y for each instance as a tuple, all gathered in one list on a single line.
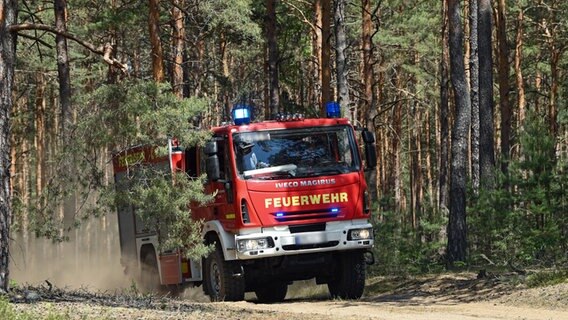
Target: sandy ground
[(435, 297), (88, 283)]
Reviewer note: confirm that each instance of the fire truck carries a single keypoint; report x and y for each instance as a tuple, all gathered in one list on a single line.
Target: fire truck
[(290, 203)]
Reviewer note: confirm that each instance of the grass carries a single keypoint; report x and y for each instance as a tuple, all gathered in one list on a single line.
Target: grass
[(546, 278), (8, 312)]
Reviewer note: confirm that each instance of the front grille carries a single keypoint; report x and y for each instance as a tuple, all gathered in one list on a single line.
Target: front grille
[(293, 247), (307, 228)]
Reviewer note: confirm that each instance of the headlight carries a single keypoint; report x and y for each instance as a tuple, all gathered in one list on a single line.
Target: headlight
[(254, 244), (360, 234)]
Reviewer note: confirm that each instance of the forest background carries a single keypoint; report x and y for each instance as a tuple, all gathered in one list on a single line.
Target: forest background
[(465, 99)]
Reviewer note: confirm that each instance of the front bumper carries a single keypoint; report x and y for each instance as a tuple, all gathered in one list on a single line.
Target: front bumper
[(282, 242)]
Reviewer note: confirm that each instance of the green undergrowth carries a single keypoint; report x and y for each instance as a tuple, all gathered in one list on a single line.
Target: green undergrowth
[(8, 312), (546, 278)]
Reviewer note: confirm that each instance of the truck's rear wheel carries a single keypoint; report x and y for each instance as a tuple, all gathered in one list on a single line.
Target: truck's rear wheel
[(349, 281), (272, 292), (150, 276), (223, 279)]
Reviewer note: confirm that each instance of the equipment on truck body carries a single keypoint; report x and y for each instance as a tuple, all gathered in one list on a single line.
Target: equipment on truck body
[(290, 203)]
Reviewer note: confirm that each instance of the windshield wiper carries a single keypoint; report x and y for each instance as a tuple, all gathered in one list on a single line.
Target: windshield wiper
[(275, 175)]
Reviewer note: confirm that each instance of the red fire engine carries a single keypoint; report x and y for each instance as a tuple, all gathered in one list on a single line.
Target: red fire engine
[(290, 204)]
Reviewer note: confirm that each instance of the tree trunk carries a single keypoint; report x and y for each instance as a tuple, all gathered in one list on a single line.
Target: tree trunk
[(326, 94), (486, 134), (8, 16), (428, 160), (367, 61), (368, 106), (555, 55), (273, 56), (317, 44), (416, 167), (457, 227), (474, 85), (155, 41), (443, 196), (504, 86), (341, 59), (398, 185), (40, 130), (521, 100), (226, 87), (322, 52), (60, 8), (178, 38)]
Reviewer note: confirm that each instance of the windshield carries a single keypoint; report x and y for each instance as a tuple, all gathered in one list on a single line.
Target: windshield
[(290, 153)]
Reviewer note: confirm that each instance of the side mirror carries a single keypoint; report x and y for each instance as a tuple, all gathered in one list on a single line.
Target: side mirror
[(370, 152), (212, 165), (210, 148), (213, 168), (368, 136)]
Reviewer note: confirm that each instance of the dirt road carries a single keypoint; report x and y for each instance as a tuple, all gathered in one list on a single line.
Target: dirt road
[(433, 298), (427, 298), (396, 310)]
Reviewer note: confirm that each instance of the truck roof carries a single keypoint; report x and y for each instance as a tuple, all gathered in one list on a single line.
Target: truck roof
[(275, 125)]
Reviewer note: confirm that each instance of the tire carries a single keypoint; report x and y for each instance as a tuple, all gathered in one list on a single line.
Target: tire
[(349, 281), (272, 292), (221, 280), (149, 274)]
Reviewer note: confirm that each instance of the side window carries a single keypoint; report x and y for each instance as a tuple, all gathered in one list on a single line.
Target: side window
[(191, 164)]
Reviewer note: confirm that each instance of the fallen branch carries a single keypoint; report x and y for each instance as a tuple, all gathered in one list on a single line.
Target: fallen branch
[(516, 269)]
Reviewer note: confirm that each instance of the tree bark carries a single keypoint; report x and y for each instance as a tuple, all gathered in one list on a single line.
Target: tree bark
[(368, 106), (474, 85), (273, 56), (8, 16), (396, 143), (317, 44), (521, 99), (60, 8), (322, 53), (155, 41), (341, 59), (457, 227), (555, 55), (227, 86), (40, 130), (326, 94), (504, 86), (443, 196), (486, 132), (178, 40)]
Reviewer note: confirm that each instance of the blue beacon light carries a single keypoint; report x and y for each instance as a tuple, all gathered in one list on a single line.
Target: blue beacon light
[(242, 114), (332, 109)]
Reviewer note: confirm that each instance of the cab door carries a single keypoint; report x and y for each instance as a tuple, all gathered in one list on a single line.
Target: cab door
[(222, 207)]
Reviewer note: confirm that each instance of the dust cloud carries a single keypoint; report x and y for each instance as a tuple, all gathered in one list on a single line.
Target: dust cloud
[(89, 260)]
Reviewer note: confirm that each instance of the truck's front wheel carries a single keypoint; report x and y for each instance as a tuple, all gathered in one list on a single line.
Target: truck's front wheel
[(223, 279), (349, 280)]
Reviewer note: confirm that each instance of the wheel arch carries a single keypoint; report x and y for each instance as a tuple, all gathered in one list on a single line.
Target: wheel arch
[(213, 231), (146, 249)]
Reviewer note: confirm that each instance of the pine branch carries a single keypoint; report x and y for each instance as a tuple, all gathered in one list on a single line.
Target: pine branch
[(104, 51)]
